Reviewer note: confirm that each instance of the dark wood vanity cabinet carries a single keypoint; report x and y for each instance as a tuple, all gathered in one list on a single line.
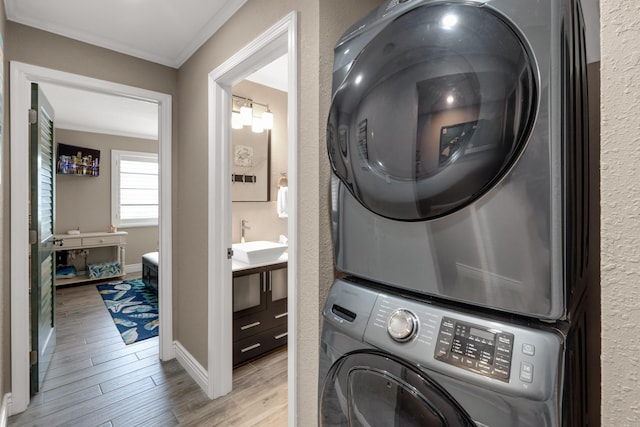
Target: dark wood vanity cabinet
[(259, 311)]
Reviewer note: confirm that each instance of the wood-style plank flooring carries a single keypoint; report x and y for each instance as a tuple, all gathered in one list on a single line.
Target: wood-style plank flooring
[(96, 380)]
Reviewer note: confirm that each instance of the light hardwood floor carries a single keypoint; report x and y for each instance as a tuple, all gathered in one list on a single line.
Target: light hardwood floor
[(96, 380)]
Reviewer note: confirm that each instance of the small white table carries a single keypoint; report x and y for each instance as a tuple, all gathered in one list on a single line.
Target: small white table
[(118, 240)]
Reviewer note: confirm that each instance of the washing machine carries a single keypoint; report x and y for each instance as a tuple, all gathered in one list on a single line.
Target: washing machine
[(458, 139), (389, 359)]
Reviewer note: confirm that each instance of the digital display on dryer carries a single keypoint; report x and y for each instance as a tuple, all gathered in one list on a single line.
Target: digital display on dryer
[(474, 343), (485, 335), (475, 348)]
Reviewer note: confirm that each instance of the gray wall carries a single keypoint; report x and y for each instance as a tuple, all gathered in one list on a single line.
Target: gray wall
[(85, 202)]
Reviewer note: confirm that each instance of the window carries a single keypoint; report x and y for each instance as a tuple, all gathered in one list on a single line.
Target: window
[(134, 189)]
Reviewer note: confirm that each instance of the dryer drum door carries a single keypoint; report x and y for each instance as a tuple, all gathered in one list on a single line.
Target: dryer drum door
[(433, 111), (373, 389)]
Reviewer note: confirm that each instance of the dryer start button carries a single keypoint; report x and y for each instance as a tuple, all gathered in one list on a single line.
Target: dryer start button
[(402, 325)]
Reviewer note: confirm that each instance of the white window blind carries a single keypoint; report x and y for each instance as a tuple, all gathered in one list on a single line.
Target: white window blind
[(134, 189)]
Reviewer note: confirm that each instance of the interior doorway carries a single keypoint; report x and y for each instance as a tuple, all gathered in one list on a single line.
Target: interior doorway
[(279, 40), (22, 75)]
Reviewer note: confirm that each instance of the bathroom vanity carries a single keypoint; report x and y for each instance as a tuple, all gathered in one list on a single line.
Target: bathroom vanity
[(259, 308)]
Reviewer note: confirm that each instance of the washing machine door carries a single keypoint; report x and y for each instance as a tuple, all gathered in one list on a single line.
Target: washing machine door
[(433, 111), (373, 389)]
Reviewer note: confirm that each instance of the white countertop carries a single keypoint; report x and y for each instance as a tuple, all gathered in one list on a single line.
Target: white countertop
[(90, 234), (239, 265)]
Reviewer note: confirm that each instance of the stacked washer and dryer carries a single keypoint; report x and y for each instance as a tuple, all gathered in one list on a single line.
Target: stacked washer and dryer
[(459, 141)]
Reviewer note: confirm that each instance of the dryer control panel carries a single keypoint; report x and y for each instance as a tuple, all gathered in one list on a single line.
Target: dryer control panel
[(475, 348), (503, 356)]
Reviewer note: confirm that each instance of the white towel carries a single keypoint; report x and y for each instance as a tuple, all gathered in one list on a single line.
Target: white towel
[(282, 203)]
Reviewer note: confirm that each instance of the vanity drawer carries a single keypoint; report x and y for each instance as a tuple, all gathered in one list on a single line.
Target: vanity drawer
[(101, 240), (70, 243), (247, 326), (252, 347), (253, 324), (279, 318)]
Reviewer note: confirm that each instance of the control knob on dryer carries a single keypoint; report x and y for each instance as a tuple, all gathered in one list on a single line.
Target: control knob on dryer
[(402, 325)]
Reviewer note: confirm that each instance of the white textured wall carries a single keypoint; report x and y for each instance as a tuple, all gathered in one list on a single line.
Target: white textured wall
[(620, 215)]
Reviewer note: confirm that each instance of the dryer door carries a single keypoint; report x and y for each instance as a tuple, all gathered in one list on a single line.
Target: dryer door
[(433, 111), (369, 388)]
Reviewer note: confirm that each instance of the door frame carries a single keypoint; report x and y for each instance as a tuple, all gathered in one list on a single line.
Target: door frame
[(278, 40), (22, 75)]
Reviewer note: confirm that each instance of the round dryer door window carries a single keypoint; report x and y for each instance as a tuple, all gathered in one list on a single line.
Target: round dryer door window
[(379, 390), (433, 111)]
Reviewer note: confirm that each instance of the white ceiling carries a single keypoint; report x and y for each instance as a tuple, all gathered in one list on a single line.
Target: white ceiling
[(275, 74), (86, 111), (167, 32)]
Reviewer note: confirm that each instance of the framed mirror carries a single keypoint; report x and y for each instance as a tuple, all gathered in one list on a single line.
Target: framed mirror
[(250, 165)]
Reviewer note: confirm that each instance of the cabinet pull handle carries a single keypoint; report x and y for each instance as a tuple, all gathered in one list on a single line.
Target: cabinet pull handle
[(270, 275), (281, 315), (249, 326), (251, 347), (281, 335)]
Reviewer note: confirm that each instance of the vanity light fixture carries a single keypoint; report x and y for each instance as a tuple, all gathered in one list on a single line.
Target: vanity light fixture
[(249, 114)]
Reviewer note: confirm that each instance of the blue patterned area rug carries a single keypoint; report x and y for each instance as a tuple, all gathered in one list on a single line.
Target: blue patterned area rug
[(133, 307)]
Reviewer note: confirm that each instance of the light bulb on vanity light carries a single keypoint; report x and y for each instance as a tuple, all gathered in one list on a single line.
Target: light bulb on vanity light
[(236, 120), (256, 125), (246, 113), (267, 120)]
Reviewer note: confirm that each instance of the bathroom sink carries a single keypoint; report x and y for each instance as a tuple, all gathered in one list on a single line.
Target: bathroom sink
[(257, 252)]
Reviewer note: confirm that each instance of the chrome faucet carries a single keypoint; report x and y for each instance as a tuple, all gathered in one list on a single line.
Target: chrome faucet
[(243, 227)]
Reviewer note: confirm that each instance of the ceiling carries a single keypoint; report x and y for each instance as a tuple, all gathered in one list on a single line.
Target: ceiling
[(85, 111), (166, 32)]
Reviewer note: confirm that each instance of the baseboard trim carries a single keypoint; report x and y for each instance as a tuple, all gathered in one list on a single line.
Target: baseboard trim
[(133, 268), (4, 410), (191, 365)]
